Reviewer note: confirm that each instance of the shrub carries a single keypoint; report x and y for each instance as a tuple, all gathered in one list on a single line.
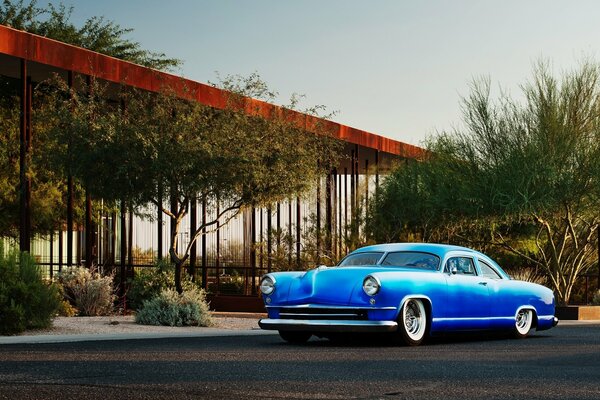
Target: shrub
[(596, 299), (26, 301), (149, 283), (88, 291), (173, 309)]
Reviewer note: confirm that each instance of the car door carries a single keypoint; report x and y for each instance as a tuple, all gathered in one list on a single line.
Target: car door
[(468, 299)]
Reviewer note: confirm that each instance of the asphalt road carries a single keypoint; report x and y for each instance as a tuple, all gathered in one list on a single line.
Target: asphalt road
[(563, 363)]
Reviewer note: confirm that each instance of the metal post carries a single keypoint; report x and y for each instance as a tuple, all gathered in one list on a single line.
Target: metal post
[(123, 246), (328, 209), (160, 222), (130, 242), (366, 185), (218, 245), (204, 255), (269, 238), (340, 224), (89, 234), (24, 144), (253, 250), (334, 211), (298, 227), (60, 250), (352, 198), (70, 198), (51, 254), (193, 222), (290, 239), (318, 220), (346, 206)]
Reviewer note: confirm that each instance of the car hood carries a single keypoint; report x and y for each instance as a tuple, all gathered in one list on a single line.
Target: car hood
[(334, 286)]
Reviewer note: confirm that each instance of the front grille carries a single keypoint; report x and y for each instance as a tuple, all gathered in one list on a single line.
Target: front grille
[(315, 313)]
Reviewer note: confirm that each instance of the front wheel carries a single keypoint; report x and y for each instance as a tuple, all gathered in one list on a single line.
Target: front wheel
[(523, 323), (412, 325), (295, 337)]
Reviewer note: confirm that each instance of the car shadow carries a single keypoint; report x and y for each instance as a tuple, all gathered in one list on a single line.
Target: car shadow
[(379, 340)]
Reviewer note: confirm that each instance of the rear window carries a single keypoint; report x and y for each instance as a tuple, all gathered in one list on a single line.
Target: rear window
[(358, 259), (412, 259)]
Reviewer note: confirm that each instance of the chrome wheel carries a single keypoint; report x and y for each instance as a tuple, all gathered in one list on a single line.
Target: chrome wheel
[(523, 322), (413, 325)]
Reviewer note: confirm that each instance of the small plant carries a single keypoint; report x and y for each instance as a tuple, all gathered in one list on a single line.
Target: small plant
[(149, 282), (89, 292), (173, 309), (596, 299), (26, 301)]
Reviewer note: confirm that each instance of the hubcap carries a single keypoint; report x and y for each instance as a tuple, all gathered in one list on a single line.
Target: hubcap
[(414, 320)]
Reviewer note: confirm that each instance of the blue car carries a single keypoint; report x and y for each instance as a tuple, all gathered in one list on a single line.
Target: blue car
[(411, 290)]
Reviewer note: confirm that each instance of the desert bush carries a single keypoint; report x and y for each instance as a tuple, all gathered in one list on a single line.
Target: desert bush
[(88, 291), (149, 282), (596, 299), (26, 301), (173, 309)]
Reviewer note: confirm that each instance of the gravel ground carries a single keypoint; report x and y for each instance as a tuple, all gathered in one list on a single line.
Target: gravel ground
[(126, 324)]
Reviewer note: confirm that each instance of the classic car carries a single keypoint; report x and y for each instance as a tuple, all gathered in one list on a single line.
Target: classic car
[(411, 290)]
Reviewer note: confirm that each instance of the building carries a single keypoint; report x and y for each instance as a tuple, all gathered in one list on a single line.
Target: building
[(229, 260)]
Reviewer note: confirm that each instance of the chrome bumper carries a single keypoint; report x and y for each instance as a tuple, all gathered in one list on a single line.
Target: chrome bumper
[(555, 321), (327, 325)]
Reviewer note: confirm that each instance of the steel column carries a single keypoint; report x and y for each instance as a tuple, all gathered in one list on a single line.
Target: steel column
[(123, 247), (253, 250), (89, 234), (159, 218), (70, 197), (318, 217), (328, 218), (298, 227), (193, 223), (269, 238), (204, 255), (25, 145)]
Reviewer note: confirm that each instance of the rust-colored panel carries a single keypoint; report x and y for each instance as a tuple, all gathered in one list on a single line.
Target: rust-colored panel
[(71, 58)]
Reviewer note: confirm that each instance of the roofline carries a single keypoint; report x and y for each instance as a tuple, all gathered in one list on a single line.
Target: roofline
[(64, 56)]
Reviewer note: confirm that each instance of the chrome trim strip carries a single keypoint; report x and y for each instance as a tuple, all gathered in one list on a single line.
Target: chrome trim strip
[(318, 315), (327, 325), (544, 317), (333, 307)]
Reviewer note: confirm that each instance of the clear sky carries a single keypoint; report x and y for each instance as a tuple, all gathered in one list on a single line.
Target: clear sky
[(392, 67)]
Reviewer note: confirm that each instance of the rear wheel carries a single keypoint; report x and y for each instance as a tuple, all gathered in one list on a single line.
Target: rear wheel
[(523, 323), (295, 337), (412, 325)]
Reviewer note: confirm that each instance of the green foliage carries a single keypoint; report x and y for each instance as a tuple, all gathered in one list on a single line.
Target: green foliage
[(26, 301), (523, 176), (89, 292), (237, 157), (149, 282), (596, 299), (173, 309), (97, 33)]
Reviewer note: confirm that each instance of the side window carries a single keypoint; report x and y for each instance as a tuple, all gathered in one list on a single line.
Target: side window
[(488, 271), (463, 265)]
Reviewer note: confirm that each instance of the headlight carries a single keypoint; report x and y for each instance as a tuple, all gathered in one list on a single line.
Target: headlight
[(371, 285), (267, 285)]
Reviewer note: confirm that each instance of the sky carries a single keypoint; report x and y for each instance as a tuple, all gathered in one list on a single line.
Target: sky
[(396, 68)]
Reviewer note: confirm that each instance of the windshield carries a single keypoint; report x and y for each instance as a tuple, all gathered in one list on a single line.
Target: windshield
[(358, 259), (412, 259)]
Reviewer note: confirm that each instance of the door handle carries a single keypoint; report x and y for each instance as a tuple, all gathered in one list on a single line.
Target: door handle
[(483, 283)]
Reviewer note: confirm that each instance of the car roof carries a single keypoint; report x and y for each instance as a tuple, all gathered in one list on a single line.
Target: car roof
[(434, 248)]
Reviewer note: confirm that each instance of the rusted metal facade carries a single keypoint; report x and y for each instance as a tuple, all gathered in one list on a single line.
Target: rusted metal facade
[(338, 198)]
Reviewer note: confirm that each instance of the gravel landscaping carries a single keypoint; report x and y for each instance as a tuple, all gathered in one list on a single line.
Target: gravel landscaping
[(125, 324)]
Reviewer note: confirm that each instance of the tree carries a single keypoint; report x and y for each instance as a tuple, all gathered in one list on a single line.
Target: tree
[(158, 147), (96, 34), (524, 176)]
